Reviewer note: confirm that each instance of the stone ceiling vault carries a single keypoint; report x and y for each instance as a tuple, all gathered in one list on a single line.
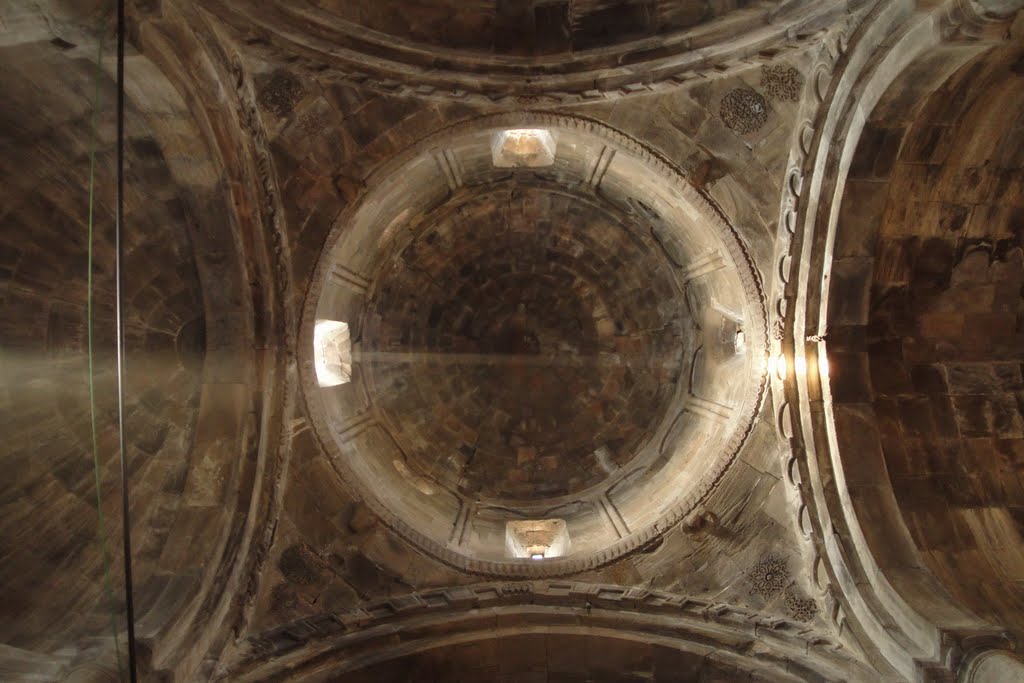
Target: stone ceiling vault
[(519, 340)]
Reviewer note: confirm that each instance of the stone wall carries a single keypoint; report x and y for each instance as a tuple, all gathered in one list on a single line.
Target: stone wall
[(929, 257), (53, 571)]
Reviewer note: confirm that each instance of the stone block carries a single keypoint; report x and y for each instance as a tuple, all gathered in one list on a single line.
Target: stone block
[(849, 377), (889, 374), (928, 144), (894, 259), (945, 416), (869, 148), (898, 460), (916, 418), (984, 331), (974, 414), (973, 378), (849, 293), (863, 458), (1007, 420), (847, 338), (863, 205), (929, 378), (190, 545)]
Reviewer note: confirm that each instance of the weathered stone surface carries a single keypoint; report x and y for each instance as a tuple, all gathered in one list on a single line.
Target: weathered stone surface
[(945, 356), (588, 341)]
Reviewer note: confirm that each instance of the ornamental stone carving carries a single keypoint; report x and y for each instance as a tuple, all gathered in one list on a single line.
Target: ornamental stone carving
[(781, 82), (744, 111), (769, 576)]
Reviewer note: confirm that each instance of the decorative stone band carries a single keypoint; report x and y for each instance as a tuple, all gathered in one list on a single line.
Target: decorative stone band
[(319, 40), (747, 411), (333, 642)]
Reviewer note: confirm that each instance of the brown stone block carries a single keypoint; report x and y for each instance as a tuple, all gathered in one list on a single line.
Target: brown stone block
[(972, 378), (847, 338), (883, 524), (916, 419), (1008, 376), (916, 492), (933, 262), (877, 151), (993, 527), (1009, 564), (849, 377), (892, 265), (977, 455), (887, 413), (190, 545), (1011, 453), (863, 458), (897, 221), (991, 221), (964, 298), (929, 378), (849, 294), (925, 457), (863, 205), (984, 330), (889, 375), (971, 184), (897, 457), (960, 490), (945, 416), (974, 415), (1007, 421), (928, 144), (941, 529)]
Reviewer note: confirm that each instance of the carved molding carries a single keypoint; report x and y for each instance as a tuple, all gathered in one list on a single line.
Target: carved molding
[(630, 609), (317, 41)]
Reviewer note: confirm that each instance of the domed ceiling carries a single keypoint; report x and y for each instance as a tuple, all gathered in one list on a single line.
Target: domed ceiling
[(530, 355), (545, 330), (514, 340)]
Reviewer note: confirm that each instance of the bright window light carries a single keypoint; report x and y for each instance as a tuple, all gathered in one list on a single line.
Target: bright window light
[(536, 539), (523, 147), (332, 352)]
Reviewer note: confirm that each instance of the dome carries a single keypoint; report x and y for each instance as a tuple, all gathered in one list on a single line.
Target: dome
[(547, 330), (525, 343)]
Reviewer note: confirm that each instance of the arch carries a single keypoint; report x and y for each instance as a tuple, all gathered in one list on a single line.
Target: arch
[(906, 620), (395, 63), (208, 492), (334, 643)]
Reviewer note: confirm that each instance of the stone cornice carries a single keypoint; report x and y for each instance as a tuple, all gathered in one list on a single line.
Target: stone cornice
[(317, 42), (333, 642)]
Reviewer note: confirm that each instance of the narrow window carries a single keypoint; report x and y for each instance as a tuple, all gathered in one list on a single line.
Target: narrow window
[(523, 147), (332, 352), (536, 539)]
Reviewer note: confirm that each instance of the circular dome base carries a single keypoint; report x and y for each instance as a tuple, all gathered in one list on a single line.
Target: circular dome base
[(548, 345)]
